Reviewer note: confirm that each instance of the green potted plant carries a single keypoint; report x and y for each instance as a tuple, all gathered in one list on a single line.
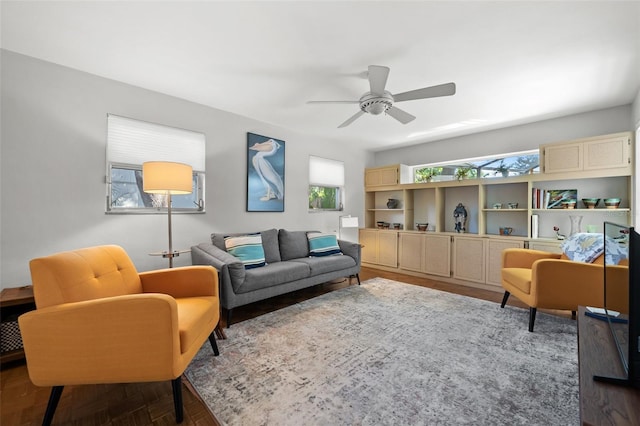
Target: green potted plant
[(502, 169), (463, 172)]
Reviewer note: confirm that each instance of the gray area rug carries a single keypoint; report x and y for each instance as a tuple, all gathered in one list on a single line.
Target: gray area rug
[(387, 353)]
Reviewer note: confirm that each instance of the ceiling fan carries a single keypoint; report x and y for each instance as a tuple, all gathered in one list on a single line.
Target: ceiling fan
[(379, 100)]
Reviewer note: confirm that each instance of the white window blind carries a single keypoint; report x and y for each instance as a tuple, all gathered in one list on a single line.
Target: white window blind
[(325, 172), (132, 141)]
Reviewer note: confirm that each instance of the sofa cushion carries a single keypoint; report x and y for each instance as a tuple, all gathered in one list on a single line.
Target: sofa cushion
[(247, 248), (272, 275), (269, 243), (293, 244), (322, 265), (518, 277), (321, 245)]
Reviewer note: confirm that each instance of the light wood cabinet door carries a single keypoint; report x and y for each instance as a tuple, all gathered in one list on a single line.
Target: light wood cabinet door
[(468, 258), (563, 157), (388, 249), (607, 153), (381, 176), (412, 255), (437, 260), (369, 241), (494, 259)]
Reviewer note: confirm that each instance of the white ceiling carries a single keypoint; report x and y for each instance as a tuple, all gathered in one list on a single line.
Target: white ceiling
[(513, 62)]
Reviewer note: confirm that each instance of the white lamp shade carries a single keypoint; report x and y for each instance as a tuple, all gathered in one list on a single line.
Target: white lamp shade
[(162, 177), (349, 222)]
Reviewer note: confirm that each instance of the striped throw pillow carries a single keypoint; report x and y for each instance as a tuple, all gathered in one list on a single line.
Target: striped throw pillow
[(247, 248), (322, 244)]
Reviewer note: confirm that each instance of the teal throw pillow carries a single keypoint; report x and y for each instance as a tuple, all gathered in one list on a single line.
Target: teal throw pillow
[(322, 244), (247, 248)]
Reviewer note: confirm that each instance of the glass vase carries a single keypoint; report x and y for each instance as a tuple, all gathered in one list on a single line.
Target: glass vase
[(576, 224)]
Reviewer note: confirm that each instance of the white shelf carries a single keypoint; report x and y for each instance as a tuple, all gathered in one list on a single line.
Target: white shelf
[(504, 210), (598, 210)]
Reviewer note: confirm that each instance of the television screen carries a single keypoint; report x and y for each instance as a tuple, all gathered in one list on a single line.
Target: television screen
[(622, 297)]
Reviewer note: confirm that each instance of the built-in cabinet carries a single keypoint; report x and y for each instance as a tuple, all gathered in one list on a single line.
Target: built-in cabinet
[(590, 154), (599, 167), (387, 175), (379, 247), (425, 252)]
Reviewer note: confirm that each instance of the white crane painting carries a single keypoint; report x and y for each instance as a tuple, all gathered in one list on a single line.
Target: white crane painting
[(265, 173)]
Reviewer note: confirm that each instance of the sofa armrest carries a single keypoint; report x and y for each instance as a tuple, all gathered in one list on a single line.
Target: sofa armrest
[(351, 249), (231, 270), (524, 258)]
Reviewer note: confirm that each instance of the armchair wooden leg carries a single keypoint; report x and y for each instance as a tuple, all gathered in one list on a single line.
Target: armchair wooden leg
[(532, 318), (504, 299), (358, 278), (176, 385), (573, 315), (214, 345), (54, 398)]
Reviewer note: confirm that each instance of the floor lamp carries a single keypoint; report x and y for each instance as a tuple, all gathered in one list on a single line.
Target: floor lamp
[(167, 178)]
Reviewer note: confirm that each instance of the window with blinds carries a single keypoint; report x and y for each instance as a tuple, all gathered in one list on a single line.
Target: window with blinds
[(132, 142), (326, 184)]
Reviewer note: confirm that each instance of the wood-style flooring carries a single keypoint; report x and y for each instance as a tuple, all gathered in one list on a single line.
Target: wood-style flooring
[(22, 403)]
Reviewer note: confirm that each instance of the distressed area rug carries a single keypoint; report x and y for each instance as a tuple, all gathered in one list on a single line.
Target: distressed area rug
[(387, 353)]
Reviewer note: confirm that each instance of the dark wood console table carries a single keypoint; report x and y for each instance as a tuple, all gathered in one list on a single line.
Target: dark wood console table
[(602, 403)]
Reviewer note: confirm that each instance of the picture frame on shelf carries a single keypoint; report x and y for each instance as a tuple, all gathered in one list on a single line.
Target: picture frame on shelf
[(555, 197)]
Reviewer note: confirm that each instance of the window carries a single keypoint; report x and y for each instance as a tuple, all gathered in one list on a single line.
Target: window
[(132, 142), (326, 183), (514, 164)]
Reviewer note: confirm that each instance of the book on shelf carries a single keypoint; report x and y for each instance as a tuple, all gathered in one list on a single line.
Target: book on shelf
[(534, 226)]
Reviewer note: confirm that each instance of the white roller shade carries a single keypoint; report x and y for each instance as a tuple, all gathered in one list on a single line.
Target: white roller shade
[(325, 172), (132, 141)]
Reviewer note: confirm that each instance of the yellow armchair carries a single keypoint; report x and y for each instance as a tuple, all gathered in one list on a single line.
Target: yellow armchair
[(99, 321), (551, 281)]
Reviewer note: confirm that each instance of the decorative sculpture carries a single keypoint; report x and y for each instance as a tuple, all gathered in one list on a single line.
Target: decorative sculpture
[(460, 218)]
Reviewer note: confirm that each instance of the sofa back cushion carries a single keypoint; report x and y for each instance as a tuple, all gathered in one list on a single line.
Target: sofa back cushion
[(293, 244), (269, 243)]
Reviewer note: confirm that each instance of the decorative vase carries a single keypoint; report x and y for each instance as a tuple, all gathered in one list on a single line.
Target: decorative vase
[(392, 203), (576, 223)]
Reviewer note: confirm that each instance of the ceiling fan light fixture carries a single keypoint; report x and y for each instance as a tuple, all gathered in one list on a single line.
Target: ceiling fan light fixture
[(376, 104)]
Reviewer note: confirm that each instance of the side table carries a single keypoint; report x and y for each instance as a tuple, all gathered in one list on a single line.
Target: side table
[(13, 303)]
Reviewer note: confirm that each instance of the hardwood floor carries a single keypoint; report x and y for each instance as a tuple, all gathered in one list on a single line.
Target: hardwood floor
[(22, 403)]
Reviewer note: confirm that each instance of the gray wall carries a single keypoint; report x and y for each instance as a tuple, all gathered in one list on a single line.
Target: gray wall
[(512, 139), (53, 169)]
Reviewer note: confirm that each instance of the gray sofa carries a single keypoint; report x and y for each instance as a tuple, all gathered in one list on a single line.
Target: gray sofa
[(288, 267)]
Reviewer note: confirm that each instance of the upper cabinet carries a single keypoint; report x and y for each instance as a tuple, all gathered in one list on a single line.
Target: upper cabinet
[(590, 154), (387, 175)]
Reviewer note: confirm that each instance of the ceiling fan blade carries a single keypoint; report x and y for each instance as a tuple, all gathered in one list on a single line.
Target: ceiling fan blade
[(333, 102), (378, 78), (400, 115), (447, 89), (351, 119)]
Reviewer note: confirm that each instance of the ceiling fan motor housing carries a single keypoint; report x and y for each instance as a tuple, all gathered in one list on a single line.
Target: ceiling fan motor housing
[(376, 104)]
